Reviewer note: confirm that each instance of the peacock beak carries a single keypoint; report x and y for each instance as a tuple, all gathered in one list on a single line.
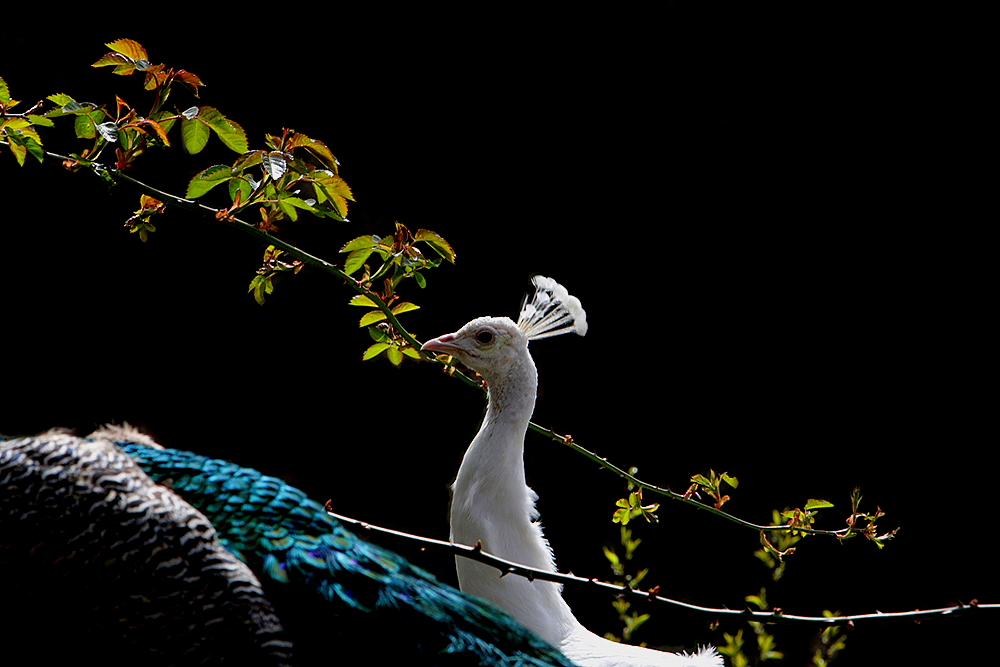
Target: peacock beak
[(446, 344)]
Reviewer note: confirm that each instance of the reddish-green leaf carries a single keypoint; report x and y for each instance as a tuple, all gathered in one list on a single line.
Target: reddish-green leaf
[(317, 149), (437, 242), (333, 187), (190, 80), (129, 48), (5, 95)]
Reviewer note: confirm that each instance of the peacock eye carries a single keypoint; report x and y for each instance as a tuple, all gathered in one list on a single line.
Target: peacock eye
[(484, 337)]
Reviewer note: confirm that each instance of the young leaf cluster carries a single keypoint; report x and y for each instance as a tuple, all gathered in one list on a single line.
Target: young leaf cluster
[(275, 261), (773, 550), (632, 508), (400, 259), (631, 620), (140, 222), (712, 485), (125, 130), (765, 643), (294, 173), (19, 130), (870, 528)]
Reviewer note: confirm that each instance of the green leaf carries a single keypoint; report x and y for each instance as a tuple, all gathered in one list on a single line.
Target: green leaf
[(410, 352), (375, 350), (230, 132), (437, 242), (84, 127), (362, 242), (129, 48), (18, 149), (372, 317), (208, 179), (333, 187), (40, 120), (317, 149), (23, 141), (356, 260), (404, 307), (395, 356), (297, 202), (814, 504), (611, 556), (194, 135), (71, 107), (260, 286), (362, 300), (247, 160), (241, 186), (379, 335), (62, 99), (622, 516)]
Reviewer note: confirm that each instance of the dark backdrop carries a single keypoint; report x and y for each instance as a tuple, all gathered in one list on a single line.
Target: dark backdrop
[(772, 226)]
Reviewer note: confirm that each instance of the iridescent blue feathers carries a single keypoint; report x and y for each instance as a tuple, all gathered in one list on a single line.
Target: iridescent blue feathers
[(329, 588)]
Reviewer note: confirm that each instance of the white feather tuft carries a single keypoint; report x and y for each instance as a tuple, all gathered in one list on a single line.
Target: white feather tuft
[(551, 311)]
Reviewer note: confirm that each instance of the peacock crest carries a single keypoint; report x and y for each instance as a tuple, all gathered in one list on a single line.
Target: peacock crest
[(551, 311)]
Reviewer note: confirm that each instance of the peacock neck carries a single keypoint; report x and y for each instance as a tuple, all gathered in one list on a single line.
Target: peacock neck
[(512, 396), (492, 472), (493, 506)]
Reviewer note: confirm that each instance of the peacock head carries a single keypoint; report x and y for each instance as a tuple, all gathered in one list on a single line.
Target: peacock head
[(487, 345), (492, 346)]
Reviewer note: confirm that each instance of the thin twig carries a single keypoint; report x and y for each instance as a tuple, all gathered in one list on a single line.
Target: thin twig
[(673, 495), (506, 567)]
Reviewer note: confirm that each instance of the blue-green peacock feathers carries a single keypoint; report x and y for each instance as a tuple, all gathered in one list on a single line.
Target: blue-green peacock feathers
[(232, 566)]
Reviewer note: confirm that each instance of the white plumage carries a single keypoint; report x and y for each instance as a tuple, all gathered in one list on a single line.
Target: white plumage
[(493, 505)]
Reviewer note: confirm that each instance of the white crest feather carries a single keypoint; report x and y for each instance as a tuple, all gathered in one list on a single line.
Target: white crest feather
[(551, 311)]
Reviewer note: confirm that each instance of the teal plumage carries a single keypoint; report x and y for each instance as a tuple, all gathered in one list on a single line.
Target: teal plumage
[(324, 581), (95, 555)]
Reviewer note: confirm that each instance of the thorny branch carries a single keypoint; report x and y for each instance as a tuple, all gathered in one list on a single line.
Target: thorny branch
[(361, 288), (507, 567), (252, 230)]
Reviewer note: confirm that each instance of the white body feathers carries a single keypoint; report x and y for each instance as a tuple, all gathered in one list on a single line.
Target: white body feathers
[(493, 505)]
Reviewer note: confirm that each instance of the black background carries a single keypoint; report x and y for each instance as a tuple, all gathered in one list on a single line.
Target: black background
[(773, 223)]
